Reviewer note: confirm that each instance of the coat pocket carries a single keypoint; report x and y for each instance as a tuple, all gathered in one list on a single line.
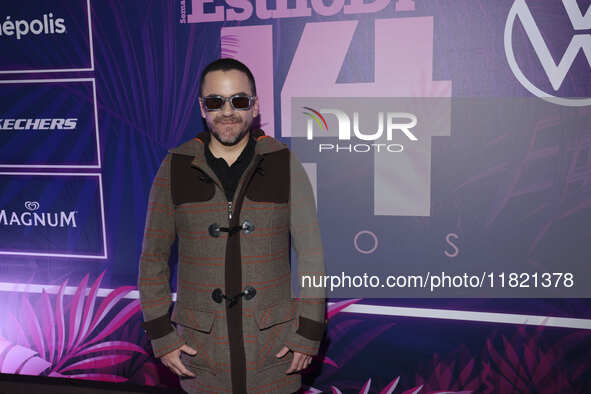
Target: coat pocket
[(196, 327), (274, 322)]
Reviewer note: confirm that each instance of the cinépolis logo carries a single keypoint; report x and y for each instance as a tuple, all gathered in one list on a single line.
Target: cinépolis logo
[(391, 122), (19, 28), (33, 217)]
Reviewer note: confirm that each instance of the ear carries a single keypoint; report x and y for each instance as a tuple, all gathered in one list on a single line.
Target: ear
[(255, 107)]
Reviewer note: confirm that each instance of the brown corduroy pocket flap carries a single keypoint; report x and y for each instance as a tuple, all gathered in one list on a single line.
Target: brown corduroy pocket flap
[(276, 313), (193, 318)]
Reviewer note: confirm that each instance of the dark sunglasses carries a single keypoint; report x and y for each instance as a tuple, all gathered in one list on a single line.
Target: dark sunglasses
[(238, 101)]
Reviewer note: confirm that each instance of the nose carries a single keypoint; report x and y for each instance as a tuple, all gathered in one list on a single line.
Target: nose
[(227, 108)]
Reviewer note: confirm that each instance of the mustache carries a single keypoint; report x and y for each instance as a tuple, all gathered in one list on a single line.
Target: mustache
[(227, 119)]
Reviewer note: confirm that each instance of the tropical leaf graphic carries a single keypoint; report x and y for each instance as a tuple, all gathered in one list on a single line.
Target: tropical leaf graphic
[(526, 363), (18, 359), (70, 340), (388, 389)]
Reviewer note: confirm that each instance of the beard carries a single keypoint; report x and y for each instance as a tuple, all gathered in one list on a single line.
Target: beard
[(228, 130)]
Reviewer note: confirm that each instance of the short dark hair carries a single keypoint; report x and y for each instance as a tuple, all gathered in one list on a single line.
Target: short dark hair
[(227, 64)]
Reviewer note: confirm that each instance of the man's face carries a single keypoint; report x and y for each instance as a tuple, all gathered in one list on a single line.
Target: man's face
[(228, 125)]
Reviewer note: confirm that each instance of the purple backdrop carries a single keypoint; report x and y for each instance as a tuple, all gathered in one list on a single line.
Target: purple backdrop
[(93, 94)]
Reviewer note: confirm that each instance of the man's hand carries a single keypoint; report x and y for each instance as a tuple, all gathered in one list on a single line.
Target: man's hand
[(300, 360), (173, 360)]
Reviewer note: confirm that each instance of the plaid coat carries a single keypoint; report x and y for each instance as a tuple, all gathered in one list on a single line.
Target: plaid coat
[(236, 342)]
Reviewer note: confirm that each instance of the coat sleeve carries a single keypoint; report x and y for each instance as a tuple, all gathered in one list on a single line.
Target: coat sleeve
[(310, 324), (154, 273)]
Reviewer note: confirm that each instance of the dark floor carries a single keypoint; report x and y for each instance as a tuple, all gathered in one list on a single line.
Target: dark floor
[(22, 384)]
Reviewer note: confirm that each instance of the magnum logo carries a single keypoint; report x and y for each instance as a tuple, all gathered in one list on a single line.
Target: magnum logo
[(31, 217)]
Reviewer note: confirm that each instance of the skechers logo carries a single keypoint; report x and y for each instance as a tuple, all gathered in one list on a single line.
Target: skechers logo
[(38, 124), (21, 27)]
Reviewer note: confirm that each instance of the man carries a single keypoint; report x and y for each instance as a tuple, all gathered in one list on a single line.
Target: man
[(232, 196)]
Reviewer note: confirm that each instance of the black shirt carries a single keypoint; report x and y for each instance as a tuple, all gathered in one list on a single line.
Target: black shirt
[(230, 175)]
